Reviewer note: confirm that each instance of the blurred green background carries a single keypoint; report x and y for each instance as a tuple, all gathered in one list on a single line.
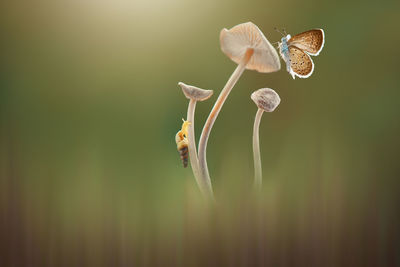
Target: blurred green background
[(89, 107)]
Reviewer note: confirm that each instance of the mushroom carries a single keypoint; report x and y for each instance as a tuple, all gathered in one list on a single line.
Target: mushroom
[(247, 46), (195, 94), (266, 100)]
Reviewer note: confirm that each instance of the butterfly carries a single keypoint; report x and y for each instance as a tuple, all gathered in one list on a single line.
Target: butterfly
[(296, 51)]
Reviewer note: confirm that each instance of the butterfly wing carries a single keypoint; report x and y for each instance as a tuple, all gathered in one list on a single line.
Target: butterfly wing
[(301, 64), (311, 41)]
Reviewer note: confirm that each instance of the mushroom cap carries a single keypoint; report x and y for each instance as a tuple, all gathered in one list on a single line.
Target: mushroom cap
[(236, 41), (193, 92), (266, 99)]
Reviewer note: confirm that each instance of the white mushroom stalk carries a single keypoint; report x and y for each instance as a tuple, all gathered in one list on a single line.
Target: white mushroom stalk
[(246, 45), (195, 94), (266, 100)]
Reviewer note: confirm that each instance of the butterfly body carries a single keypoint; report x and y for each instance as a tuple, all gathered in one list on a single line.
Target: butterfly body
[(296, 51), (284, 51)]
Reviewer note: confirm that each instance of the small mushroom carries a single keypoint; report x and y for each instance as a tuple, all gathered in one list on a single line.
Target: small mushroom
[(195, 94), (246, 45), (266, 100)]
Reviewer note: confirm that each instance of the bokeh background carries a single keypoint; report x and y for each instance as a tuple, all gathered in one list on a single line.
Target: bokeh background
[(89, 107)]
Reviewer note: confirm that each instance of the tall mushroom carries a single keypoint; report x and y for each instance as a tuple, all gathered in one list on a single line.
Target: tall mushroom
[(247, 46), (266, 100), (195, 94)]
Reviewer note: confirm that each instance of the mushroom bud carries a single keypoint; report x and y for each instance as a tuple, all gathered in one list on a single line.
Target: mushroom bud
[(266, 100), (195, 94), (247, 46)]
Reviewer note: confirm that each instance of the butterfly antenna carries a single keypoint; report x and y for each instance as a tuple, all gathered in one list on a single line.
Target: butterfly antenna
[(276, 29), (284, 31)]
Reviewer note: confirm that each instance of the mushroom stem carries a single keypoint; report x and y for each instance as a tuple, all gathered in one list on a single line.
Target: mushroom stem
[(194, 161), (256, 150), (214, 114)]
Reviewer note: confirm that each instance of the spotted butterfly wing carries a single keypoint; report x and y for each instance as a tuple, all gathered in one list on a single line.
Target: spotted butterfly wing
[(301, 64), (311, 41)]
